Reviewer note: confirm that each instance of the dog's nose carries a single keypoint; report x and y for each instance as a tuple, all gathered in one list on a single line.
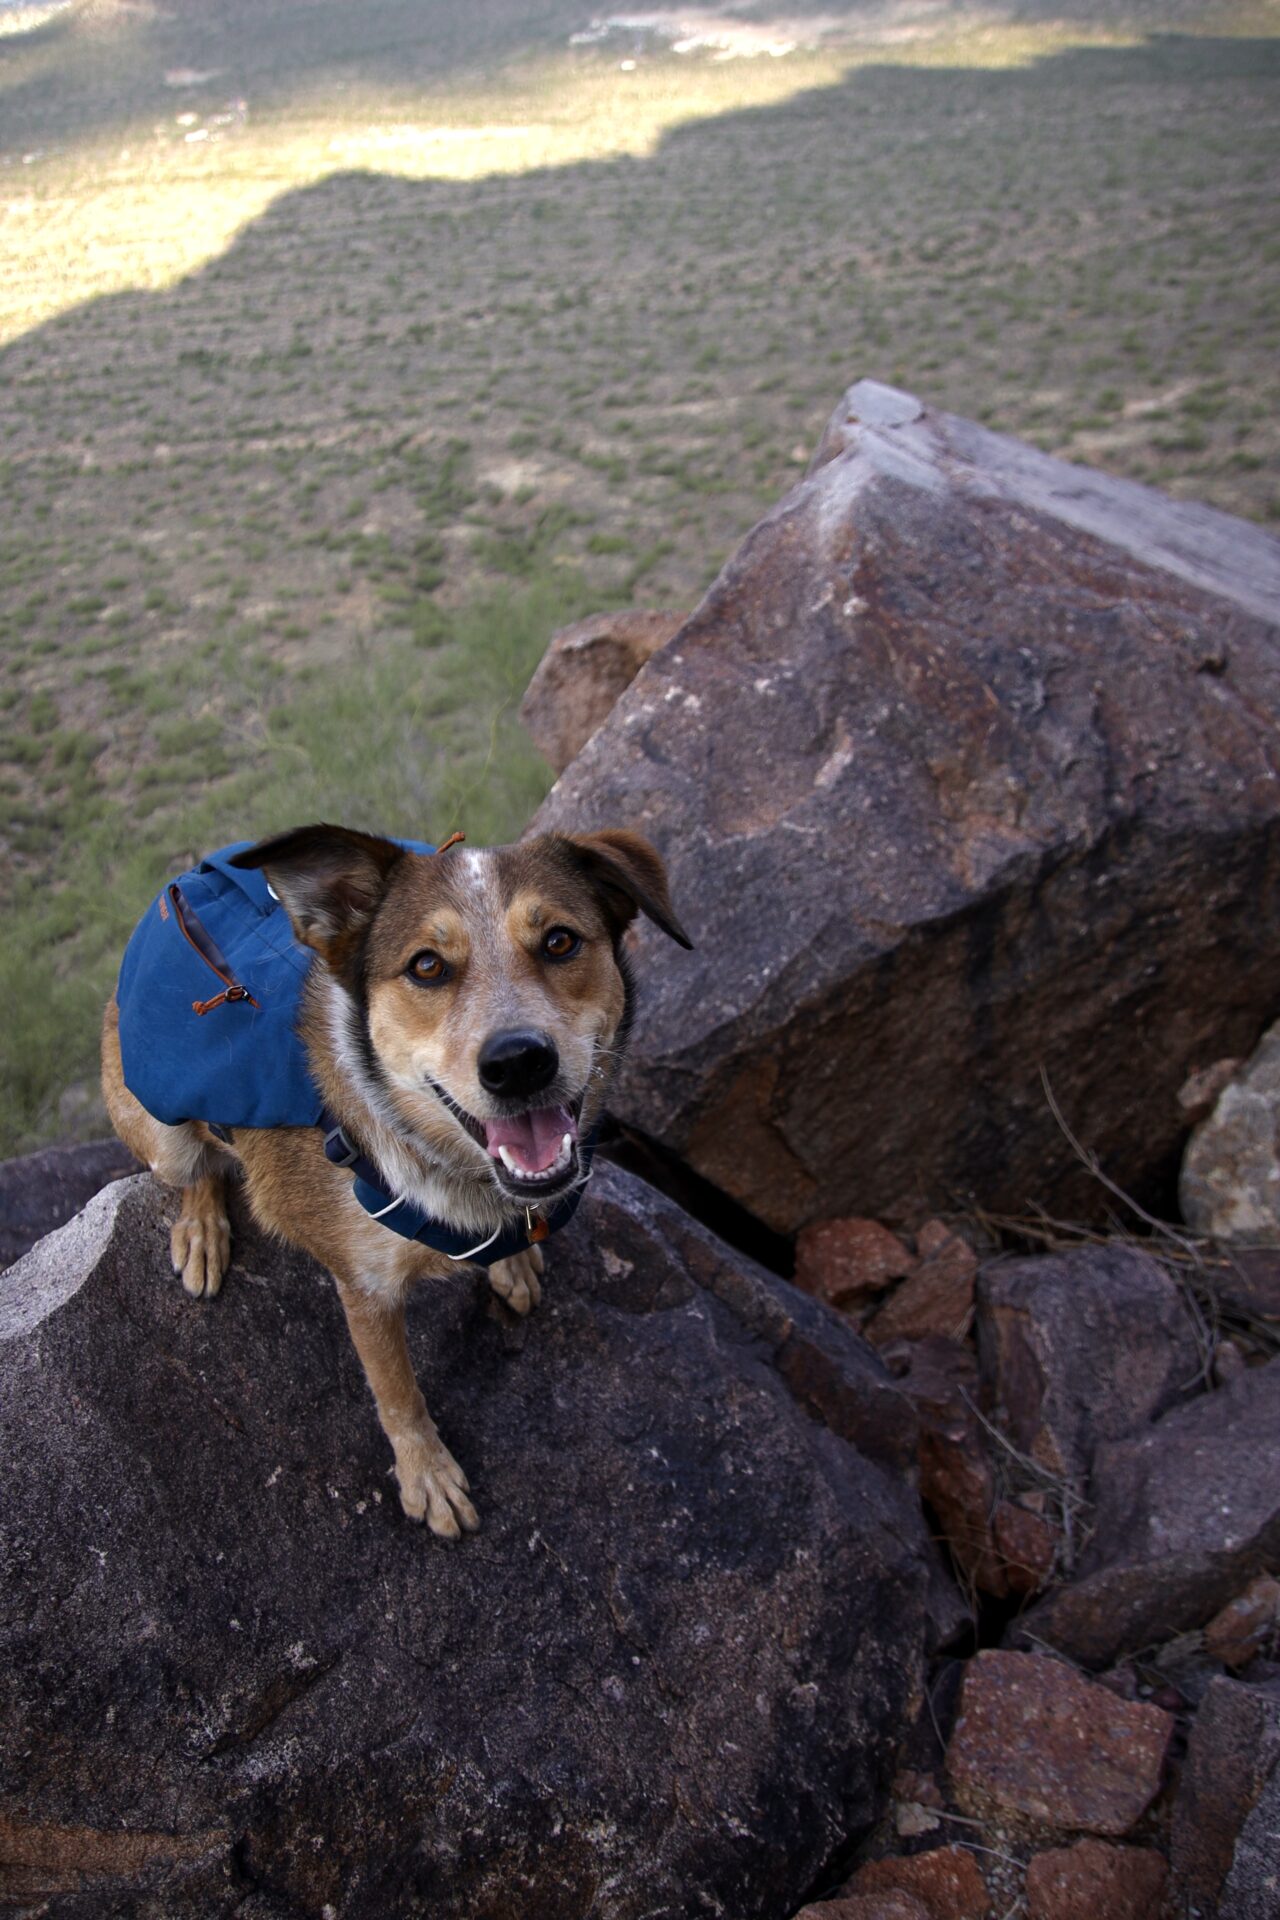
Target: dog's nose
[(518, 1061)]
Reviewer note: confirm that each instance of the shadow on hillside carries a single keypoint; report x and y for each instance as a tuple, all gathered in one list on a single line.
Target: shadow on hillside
[(73, 78), (943, 101)]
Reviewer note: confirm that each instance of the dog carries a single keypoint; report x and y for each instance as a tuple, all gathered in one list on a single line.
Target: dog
[(462, 1016)]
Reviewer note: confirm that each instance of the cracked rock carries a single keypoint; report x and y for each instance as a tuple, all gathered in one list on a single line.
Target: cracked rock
[(667, 1678), (951, 807)]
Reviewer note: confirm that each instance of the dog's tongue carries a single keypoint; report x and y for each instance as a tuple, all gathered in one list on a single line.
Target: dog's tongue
[(532, 1138)]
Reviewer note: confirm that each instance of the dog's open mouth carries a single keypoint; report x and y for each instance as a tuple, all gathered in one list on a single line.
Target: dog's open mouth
[(535, 1153)]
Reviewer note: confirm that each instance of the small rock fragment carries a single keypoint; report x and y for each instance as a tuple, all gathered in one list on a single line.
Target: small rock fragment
[(957, 1481), (1244, 1625), (1027, 1544), (584, 672), (1230, 1185), (892, 1905), (1035, 1737), (945, 1881), (937, 1298), (1094, 1881), (847, 1262)]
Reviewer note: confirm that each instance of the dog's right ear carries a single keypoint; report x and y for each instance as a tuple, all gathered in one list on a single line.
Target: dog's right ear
[(330, 881)]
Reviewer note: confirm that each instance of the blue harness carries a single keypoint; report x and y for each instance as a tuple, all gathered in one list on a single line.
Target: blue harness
[(209, 993)]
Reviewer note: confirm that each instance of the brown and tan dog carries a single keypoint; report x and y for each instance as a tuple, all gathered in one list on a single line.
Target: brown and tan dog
[(463, 1020)]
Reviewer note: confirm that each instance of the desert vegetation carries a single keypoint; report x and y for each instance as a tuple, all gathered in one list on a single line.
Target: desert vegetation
[(347, 350)]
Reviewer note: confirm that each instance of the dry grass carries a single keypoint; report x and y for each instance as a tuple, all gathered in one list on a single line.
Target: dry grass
[(316, 423)]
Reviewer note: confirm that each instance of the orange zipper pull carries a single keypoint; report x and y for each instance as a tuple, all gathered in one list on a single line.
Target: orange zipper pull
[(228, 993)]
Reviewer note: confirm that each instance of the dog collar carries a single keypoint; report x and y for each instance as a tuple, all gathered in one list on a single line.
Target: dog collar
[(411, 1223)]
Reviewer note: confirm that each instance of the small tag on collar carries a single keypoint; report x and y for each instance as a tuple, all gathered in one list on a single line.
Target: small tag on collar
[(536, 1228)]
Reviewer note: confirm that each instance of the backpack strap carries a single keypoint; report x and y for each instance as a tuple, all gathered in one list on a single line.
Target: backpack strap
[(411, 1223)]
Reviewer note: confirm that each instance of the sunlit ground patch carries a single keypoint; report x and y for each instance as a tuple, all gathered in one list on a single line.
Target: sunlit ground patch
[(155, 199)]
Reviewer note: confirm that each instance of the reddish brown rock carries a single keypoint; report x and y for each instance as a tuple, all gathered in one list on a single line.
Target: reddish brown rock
[(1094, 1881), (847, 1262), (966, 769), (1246, 1624), (1034, 1737), (1081, 1347), (581, 674), (957, 1478), (1232, 1766), (890, 1905), (1188, 1512), (1027, 1544), (937, 1298), (945, 1881)]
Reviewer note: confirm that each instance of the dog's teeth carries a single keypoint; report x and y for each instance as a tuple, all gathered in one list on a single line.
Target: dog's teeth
[(565, 1145), (509, 1160)]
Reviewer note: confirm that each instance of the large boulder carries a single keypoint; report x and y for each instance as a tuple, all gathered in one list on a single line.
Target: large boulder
[(968, 776), (666, 1679)]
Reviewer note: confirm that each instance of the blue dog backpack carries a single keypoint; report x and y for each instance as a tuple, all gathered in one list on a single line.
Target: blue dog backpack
[(209, 993)]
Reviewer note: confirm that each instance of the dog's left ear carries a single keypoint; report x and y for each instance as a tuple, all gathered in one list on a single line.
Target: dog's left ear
[(629, 877), (330, 882)]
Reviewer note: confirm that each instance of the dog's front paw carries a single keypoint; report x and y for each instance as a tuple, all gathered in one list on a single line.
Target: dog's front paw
[(200, 1244), (433, 1487), (516, 1280)]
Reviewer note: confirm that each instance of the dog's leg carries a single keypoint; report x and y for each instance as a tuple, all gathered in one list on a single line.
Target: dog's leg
[(516, 1280), (432, 1484), (187, 1157), (200, 1244)]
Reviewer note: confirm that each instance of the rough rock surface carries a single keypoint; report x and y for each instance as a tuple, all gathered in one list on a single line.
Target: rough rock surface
[(1246, 1624), (666, 1679), (965, 766), (945, 1880), (1246, 1283), (42, 1190), (582, 673), (1083, 1347), (848, 1262), (1094, 1881), (936, 1297), (892, 1904), (1232, 1772), (1188, 1512), (1230, 1186), (1035, 1738), (957, 1479)]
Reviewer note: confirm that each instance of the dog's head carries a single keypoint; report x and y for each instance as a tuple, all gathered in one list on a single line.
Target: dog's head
[(488, 989)]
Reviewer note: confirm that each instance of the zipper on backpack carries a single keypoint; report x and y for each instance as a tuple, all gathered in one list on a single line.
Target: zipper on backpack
[(199, 937)]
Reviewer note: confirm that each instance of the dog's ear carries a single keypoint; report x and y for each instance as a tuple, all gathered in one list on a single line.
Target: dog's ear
[(628, 877), (330, 881)]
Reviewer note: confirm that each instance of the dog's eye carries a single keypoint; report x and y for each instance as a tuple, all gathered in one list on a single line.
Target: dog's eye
[(561, 944), (428, 969)]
